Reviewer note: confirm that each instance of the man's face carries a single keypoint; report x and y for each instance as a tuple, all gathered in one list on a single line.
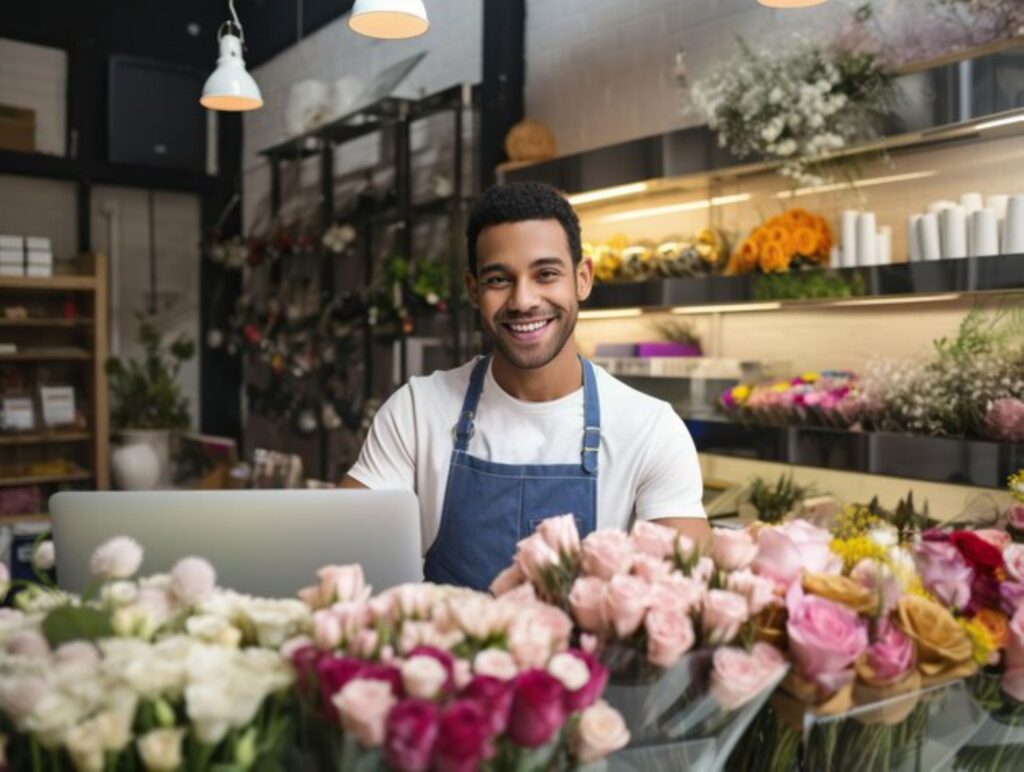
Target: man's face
[(527, 291)]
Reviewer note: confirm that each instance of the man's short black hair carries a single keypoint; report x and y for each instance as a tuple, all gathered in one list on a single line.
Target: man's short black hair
[(519, 201)]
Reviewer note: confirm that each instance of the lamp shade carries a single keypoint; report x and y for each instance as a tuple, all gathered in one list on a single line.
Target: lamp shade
[(230, 87), (389, 19), (790, 3)]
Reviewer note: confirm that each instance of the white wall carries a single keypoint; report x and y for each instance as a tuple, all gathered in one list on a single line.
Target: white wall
[(35, 77), (31, 206), (454, 56)]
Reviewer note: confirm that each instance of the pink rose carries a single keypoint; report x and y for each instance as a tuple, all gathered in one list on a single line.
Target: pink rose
[(600, 731), (464, 738), (1013, 663), (586, 695), (944, 572), (1011, 597), (626, 599), (410, 733), (997, 538), (891, 656), (494, 695), (738, 676), (677, 592), (658, 541), (786, 550), (669, 636), (824, 637), (1013, 557), (507, 580), (537, 632), (1015, 516), (759, 591), (496, 663), (561, 535), (606, 553), (363, 706), (586, 599), (326, 629), (732, 550), (534, 557), (342, 583), (722, 616), (537, 709), (703, 571), (651, 569), (423, 677)]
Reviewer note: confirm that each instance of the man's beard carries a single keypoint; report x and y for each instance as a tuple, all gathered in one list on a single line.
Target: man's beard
[(534, 359)]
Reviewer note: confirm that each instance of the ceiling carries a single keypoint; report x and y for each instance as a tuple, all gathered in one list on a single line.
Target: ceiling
[(181, 31)]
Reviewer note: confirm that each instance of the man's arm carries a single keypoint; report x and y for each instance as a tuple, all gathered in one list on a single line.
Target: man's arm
[(351, 482), (694, 528)]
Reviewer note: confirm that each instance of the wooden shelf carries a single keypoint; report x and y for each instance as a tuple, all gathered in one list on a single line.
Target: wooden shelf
[(44, 438), (75, 476), (28, 517), (48, 355), (50, 283), (46, 322)]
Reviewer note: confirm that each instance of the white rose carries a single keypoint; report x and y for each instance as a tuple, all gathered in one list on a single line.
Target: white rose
[(423, 676), (160, 749), (44, 558), (117, 558), (119, 593), (20, 695), (84, 744), (496, 663), (570, 670), (601, 731), (115, 729), (209, 707)]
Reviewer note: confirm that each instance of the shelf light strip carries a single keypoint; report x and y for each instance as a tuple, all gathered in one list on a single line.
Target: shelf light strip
[(576, 199), (865, 183), (896, 301), (999, 122), (690, 206), (726, 308), (610, 313)]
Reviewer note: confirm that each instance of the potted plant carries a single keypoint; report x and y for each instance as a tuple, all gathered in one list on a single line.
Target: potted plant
[(147, 406)]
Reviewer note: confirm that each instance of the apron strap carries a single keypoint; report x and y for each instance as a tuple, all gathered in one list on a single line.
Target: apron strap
[(591, 418), (464, 428)]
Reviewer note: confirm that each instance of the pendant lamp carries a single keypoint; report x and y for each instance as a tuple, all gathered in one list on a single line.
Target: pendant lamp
[(389, 19), (230, 87), (790, 3)]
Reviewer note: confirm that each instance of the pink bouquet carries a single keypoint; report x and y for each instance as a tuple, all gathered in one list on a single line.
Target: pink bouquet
[(426, 676), (828, 398)]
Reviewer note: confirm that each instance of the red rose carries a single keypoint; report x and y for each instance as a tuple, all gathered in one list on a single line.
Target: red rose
[(537, 709), (388, 673), (982, 555), (587, 694), (411, 731), (463, 739), (494, 695), (334, 673), (305, 660)]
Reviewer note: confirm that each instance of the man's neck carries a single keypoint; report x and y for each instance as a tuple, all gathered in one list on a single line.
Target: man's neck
[(558, 378)]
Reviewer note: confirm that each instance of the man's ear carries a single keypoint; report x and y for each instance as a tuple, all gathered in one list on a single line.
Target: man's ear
[(584, 279), (472, 288)]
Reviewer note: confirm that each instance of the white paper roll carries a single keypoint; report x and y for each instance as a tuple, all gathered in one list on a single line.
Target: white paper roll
[(867, 239), (953, 232), (848, 227), (928, 236), (937, 206), (997, 204), (984, 233), (971, 202), (883, 248), (1013, 227), (835, 257), (914, 239)]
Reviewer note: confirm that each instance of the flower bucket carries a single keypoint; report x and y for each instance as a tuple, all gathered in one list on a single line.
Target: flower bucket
[(920, 729), (674, 717), (998, 741)]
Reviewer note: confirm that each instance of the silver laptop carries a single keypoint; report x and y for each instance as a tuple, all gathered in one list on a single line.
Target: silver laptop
[(262, 542)]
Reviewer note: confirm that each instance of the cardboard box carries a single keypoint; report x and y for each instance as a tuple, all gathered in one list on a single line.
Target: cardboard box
[(17, 129)]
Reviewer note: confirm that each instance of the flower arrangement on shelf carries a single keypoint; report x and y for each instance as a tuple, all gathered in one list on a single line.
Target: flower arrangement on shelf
[(619, 259), (796, 106), (826, 398), (789, 241)]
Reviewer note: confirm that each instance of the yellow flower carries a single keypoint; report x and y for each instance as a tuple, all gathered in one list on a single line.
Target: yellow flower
[(854, 520), (1015, 482), (780, 386), (981, 641), (856, 549), (810, 376), (741, 392)]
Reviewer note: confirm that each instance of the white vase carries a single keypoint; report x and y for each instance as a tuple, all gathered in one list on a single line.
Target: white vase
[(143, 460)]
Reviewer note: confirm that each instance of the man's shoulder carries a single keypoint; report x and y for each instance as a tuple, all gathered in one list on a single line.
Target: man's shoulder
[(442, 384)]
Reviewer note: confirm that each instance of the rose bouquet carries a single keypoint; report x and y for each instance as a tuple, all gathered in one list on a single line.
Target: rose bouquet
[(827, 398), (870, 648), (792, 240), (143, 673), (433, 677), (674, 628)]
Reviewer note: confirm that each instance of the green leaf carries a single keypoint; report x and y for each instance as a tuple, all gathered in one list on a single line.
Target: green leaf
[(68, 623)]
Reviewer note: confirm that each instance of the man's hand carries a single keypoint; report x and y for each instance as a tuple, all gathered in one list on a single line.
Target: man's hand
[(694, 528)]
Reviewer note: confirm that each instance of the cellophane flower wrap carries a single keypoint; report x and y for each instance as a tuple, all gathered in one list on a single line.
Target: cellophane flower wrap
[(674, 627)]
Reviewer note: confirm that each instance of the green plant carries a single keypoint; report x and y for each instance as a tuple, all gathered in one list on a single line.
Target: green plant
[(774, 501), (678, 332), (807, 285), (145, 392)]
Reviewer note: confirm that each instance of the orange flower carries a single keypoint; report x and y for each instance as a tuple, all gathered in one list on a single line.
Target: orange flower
[(759, 236), (780, 235), (995, 625), (805, 241), (796, 217), (745, 259), (774, 258)]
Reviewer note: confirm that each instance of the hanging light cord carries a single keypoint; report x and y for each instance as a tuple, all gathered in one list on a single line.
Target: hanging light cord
[(238, 24)]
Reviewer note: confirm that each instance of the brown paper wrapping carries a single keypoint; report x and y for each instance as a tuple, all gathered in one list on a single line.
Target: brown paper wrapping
[(895, 710), (798, 697)]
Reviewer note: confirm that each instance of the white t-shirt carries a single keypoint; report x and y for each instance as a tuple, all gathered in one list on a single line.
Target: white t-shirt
[(647, 464)]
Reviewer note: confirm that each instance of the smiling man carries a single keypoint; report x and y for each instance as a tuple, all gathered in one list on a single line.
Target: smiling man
[(533, 429)]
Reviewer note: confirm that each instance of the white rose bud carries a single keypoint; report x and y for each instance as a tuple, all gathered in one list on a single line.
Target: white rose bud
[(44, 558), (423, 676), (601, 731), (84, 744), (160, 749), (570, 670)]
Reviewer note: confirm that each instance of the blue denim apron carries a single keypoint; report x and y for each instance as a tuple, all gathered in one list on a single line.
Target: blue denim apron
[(488, 507)]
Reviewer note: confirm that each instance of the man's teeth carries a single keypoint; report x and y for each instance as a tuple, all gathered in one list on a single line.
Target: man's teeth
[(532, 326)]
